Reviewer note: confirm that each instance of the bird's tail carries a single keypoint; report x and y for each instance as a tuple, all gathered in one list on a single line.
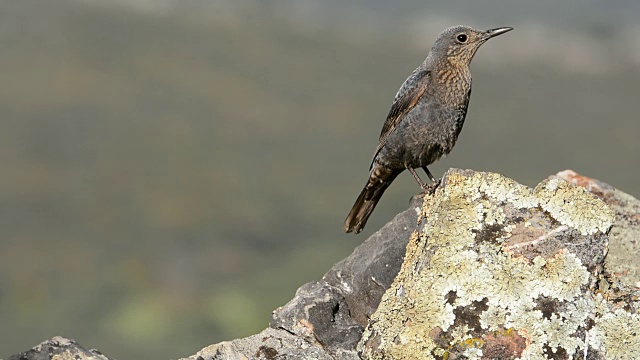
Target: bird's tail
[(379, 180)]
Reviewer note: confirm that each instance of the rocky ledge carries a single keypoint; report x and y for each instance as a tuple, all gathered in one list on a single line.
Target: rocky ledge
[(483, 268)]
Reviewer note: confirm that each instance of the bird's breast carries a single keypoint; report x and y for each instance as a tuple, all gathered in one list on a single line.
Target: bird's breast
[(452, 85)]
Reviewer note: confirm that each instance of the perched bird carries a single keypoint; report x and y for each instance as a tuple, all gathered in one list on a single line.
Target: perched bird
[(425, 119)]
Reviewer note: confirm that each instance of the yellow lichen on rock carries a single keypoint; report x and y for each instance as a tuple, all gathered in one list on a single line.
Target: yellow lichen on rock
[(616, 333), (457, 289), (574, 206)]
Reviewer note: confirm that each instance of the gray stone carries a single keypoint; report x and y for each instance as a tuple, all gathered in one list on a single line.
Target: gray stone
[(332, 312), (59, 348), (270, 344), (325, 319), (368, 272)]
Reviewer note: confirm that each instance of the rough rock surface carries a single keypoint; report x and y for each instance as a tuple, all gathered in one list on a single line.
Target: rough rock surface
[(498, 270), (624, 239), (484, 268), (270, 344), (335, 310), (58, 348)]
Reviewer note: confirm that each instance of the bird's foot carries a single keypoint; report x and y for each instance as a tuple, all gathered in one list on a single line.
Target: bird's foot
[(431, 188), (428, 190)]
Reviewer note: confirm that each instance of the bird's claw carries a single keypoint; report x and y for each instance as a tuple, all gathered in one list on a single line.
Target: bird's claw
[(428, 190), (431, 188)]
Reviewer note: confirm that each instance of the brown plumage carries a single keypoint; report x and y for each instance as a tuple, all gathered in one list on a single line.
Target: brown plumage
[(425, 119)]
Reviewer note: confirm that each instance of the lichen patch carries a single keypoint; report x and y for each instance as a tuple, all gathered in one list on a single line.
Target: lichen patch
[(573, 206)]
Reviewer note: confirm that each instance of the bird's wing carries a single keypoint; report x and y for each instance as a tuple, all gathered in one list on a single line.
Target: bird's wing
[(407, 97)]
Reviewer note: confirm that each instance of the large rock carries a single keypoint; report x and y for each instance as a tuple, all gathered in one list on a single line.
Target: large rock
[(484, 268), (498, 270)]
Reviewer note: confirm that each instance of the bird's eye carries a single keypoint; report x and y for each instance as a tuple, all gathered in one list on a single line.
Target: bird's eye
[(462, 38)]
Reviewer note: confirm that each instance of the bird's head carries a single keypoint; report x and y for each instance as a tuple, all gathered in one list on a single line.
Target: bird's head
[(458, 44)]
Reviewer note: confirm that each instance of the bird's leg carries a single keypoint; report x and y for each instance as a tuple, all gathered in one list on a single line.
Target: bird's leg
[(428, 174), (428, 190), (415, 176), (431, 188)]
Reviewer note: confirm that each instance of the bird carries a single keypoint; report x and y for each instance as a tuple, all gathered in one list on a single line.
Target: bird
[(425, 118)]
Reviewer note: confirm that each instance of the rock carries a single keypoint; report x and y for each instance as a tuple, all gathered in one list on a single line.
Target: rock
[(338, 307), (270, 344), (368, 272), (59, 348), (326, 318), (498, 270), (483, 268)]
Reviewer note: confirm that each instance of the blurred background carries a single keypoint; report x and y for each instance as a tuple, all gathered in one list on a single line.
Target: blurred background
[(173, 170)]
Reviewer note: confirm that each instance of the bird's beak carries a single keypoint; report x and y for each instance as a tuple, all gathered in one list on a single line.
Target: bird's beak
[(495, 32)]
